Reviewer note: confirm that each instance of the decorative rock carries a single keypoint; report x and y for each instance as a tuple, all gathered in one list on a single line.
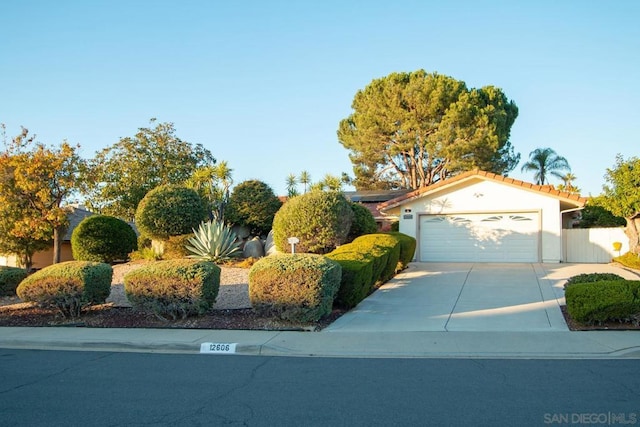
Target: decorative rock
[(241, 231), (269, 245), (253, 248)]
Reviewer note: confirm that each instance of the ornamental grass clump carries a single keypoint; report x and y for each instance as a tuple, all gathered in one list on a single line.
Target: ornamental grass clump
[(69, 287), (174, 289), (295, 287), (213, 241), (10, 278)]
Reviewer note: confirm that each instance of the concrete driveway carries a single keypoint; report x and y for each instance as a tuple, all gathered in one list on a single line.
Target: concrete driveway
[(469, 297)]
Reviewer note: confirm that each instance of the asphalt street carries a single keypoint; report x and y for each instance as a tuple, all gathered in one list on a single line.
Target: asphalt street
[(110, 389)]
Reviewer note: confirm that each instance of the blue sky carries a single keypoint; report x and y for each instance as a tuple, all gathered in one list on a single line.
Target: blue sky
[(264, 84)]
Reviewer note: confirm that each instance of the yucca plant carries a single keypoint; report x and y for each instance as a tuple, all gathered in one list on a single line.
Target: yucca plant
[(213, 241)]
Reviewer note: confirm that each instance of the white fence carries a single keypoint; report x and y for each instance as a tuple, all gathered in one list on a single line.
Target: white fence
[(593, 245)]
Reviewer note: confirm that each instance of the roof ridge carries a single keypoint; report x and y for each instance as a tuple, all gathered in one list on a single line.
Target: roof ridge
[(545, 189)]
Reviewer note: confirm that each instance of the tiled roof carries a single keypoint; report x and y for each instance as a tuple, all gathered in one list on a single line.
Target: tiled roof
[(372, 196), (488, 176), (76, 215)]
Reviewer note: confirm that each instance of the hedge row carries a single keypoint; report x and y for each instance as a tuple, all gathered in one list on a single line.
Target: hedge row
[(603, 301), (369, 261), (176, 288), (10, 278), (294, 287), (69, 286), (591, 277)]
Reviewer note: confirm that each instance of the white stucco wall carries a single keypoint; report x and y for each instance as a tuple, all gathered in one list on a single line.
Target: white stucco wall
[(488, 196)]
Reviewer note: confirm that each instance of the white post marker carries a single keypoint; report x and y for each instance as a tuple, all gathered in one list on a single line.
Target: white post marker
[(218, 347), (293, 241)]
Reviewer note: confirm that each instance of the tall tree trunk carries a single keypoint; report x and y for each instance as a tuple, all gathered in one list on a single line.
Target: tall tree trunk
[(58, 233), (633, 225)]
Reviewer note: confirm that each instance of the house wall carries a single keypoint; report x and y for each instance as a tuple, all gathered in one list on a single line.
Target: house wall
[(488, 196), (9, 260), (45, 258)]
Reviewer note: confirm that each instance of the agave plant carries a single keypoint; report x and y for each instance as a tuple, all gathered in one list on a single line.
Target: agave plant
[(213, 241)]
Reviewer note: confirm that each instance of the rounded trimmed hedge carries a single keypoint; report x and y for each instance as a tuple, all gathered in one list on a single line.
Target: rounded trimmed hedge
[(177, 288), (408, 246), (68, 286), (321, 220), (103, 238), (363, 221), (253, 204), (295, 287), (169, 210), (605, 301), (10, 278)]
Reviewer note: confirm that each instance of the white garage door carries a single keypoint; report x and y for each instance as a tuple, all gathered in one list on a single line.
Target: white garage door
[(501, 237)]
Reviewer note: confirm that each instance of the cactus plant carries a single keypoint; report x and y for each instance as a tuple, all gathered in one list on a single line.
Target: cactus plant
[(213, 241)]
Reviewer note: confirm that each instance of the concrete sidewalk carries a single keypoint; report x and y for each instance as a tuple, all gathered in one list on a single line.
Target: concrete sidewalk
[(461, 344)]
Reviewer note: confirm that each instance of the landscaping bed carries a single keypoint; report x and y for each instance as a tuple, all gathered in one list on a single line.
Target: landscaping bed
[(607, 326), (231, 311)]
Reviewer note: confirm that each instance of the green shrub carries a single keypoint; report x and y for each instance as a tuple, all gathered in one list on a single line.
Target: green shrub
[(294, 287), (69, 286), (320, 219), (103, 238), (630, 260), (175, 288), (175, 247), (599, 302), (385, 246), (363, 222), (169, 210), (253, 204), (591, 277), (407, 249), (597, 216), (149, 254), (357, 275), (10, 277), (213, 241)]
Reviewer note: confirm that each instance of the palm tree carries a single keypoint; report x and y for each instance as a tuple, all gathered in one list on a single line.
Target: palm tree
[(568, 180), (332, 183), (304, 179), (292, 181), (545, 162)]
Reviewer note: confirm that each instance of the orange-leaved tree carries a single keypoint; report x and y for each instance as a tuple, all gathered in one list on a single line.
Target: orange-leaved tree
[(35, 183)]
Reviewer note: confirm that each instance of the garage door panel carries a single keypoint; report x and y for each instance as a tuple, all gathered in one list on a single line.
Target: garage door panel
[(503, 237)]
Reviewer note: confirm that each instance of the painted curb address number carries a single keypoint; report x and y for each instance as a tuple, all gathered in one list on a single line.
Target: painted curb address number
[(218, 347)]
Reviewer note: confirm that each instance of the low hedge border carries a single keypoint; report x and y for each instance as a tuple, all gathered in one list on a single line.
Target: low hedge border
[(591, 278), (408, 246), (10, 278), (295, 287), (357, 276), (386, 246), (604, 301), (176, 288), (368, 262), (68, 286)]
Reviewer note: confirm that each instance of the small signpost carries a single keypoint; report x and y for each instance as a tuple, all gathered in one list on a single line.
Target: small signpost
[(293, 241)]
